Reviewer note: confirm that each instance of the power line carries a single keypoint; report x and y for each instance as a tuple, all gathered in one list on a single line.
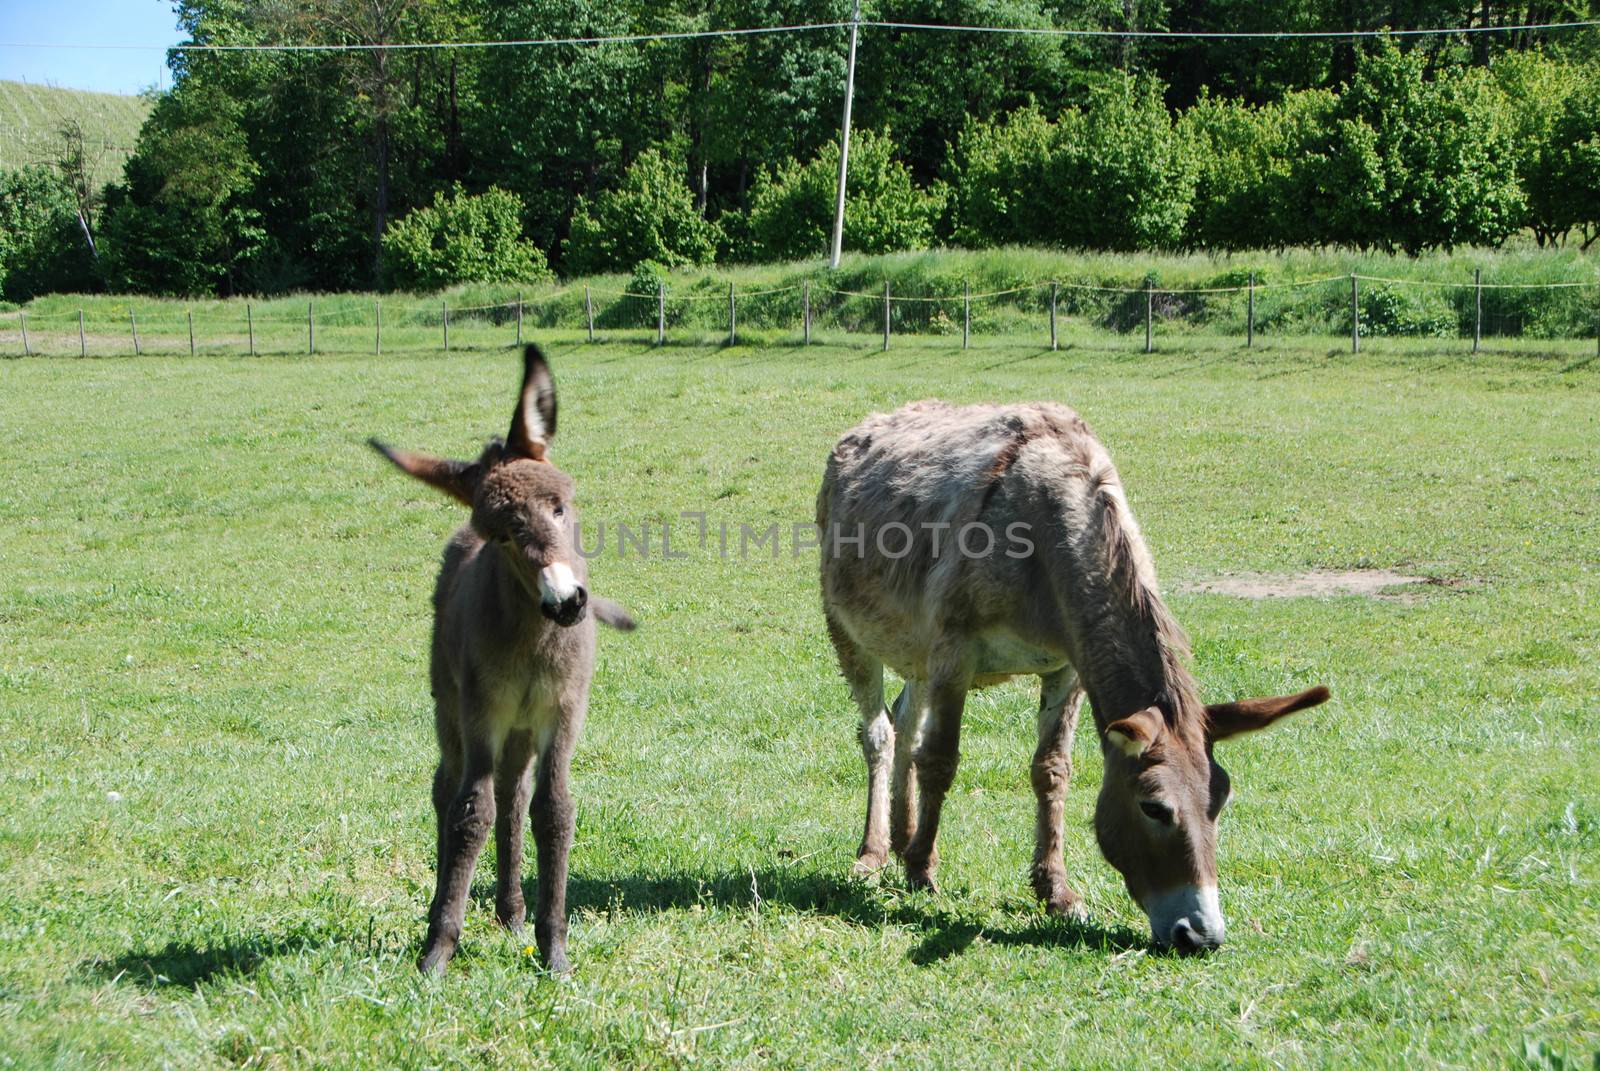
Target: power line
[(687, 35), (420, 46), (1231, 35)]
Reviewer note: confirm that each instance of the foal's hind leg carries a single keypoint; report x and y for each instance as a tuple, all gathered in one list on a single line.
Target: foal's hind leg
[(936, 756), (865, 675), (1060, 702)]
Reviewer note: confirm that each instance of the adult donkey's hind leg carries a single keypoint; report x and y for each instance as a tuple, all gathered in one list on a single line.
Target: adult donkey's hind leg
[(865, 676), (1060, 703)]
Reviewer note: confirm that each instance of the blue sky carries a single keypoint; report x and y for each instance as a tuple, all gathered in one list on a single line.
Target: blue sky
[(87, 22)]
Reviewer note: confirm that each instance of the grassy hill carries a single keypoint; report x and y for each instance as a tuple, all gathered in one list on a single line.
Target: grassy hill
[(31, 117)]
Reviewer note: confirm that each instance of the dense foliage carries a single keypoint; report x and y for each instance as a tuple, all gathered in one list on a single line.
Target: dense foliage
[(42, 244), (462, 238), (272, 172)]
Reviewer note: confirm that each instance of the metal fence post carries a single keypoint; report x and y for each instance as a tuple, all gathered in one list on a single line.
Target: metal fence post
[(805, 313), (1149, 316), (190, 313), (444, 307), (733, 318), (250, 324), (83, 343), (1250, 315), (22, 318), (311, 330), (1477, 322), (886, 315), (1052, 315), (519, 317), (133, 324), (377, 329), (966, 315), (1355, 315), (661, 311)]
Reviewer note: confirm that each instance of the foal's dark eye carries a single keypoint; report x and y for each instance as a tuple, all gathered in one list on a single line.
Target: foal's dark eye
[(561, 511), (1160, 812)]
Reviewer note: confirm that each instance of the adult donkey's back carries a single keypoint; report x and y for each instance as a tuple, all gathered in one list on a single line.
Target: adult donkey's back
[(964, 546), (513, 652)]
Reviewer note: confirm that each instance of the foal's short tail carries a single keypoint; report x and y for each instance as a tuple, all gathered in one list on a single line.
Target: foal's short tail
[(612, 613)]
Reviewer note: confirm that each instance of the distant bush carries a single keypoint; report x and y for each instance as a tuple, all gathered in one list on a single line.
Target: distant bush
[(42, 244), (650, 216), (1407, 312), (1117, 175), (791, 209), (462, 238)]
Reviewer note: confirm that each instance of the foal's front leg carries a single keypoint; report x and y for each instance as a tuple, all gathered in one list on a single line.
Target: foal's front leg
[(511, 790), (1060, 702), (465, 830), (552, 833)]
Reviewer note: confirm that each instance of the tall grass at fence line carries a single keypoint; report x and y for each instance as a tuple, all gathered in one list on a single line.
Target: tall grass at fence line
[(1300, 292)]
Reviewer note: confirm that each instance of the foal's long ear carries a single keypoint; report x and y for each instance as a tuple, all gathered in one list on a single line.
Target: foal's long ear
[(533, 425), (1134, 734), (1247, 715), (458, 479)]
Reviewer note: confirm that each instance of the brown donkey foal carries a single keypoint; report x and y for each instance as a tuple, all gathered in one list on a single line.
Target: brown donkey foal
[(513, 651), (963, 546)]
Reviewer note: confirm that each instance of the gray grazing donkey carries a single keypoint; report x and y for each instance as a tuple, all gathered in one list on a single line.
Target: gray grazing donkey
[(966, 545), (513, 651)]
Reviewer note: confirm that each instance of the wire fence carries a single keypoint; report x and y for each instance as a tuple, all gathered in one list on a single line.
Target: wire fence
[(1355, 306)]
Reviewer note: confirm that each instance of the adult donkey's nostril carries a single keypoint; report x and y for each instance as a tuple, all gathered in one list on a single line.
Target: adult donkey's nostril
[(1186, 940)]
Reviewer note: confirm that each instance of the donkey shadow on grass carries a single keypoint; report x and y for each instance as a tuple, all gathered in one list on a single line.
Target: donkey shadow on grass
[(944, 931), (191, 964)]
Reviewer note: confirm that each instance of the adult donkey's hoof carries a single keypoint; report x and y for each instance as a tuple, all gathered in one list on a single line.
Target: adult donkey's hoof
[(869, 863)]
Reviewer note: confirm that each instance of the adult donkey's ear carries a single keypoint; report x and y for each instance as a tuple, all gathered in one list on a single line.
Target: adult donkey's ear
[(458, 479), (533, 424), (1247, 715)]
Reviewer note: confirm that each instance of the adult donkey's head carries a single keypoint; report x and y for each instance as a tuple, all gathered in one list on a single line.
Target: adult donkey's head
[(1157, 815), (520, 501)]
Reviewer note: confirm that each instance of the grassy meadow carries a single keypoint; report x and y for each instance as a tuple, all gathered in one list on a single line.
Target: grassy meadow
[(31, 117), (215, 832)]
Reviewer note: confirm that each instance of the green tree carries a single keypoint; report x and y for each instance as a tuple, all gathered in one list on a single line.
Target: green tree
[(791, 209), (1414, 163), (650, 216), (1119, 174), (182, 222), (462, 238), (42, 245)]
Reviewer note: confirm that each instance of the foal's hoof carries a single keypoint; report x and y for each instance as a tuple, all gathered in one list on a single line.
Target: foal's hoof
[(868, 863), (921, 881), (432, 961), (556, 962)]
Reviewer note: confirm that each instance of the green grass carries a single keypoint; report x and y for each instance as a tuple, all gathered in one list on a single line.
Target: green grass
[(214, 604), (31, 117), (1301, 293)]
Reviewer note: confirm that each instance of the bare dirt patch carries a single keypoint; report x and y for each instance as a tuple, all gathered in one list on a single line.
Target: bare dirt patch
[(1317, 583)]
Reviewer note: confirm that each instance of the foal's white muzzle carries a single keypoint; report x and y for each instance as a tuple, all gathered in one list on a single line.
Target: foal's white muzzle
[(561, 597), (1186, 919)]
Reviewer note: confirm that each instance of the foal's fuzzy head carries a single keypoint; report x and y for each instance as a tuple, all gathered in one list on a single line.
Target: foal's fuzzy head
[(520, 502)]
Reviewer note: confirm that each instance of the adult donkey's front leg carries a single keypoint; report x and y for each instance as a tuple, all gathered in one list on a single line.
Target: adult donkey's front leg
[(466, 829), (936, 757), (1060, 702)]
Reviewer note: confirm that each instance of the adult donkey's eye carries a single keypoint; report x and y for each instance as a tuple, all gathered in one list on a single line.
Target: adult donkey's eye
[(560, 510), (1160, 812)]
